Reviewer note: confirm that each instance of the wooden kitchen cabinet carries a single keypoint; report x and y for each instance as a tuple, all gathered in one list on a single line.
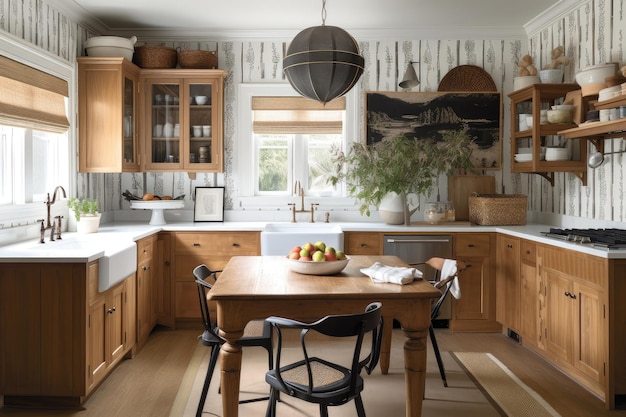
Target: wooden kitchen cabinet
[(58, 339), (211, 248), (147, 296), (106, 327), (476, 309), (362, 243), (162, 274), (531, 100), (576, 325), (108, 93), (508, 282), (179, 132), (532, 298)]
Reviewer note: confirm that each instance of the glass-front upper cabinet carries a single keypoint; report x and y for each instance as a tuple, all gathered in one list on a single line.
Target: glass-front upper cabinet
[(184, 116)]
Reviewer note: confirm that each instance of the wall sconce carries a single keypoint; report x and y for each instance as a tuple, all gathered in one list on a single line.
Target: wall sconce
[(410, 79)]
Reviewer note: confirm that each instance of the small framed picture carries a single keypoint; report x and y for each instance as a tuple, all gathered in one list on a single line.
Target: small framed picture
[(209, 204)]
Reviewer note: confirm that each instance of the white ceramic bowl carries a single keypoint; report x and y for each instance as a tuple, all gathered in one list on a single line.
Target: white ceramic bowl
[(111, 46), (521, 82), (551, 76), (593, 79), (523, 157), (524, 150), (560, 116), (202, 100), (557, 154), (317, 268)]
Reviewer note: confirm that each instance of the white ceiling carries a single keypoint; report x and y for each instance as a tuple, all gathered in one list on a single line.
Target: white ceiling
[(288, 17)]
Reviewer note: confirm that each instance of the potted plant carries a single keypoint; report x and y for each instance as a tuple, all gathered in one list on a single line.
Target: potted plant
[(86, 214), (399, 165)]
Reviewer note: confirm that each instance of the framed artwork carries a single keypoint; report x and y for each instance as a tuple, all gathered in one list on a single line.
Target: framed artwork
[(427, 115), (209, 204)]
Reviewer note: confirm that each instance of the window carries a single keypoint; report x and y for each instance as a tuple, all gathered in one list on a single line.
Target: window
[(35, 142), (284, 140)]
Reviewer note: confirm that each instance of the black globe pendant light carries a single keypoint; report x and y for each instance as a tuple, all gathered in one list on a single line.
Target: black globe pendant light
[(323, 62)]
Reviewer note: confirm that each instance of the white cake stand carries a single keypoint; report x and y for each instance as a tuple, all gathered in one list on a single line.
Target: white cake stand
[(157, 207)]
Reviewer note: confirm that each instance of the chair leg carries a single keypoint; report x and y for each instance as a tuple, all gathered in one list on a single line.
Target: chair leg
[(215, 350), (442, 371), (271, 404), (360, 410), (323, 410)]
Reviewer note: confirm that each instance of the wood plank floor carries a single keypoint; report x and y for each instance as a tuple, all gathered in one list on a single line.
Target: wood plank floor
[(147, 385)]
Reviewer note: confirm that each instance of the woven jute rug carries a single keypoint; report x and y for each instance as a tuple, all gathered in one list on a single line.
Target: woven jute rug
[(502, 387)]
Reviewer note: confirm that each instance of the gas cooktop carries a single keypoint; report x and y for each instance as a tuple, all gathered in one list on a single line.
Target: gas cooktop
[(599, 238)]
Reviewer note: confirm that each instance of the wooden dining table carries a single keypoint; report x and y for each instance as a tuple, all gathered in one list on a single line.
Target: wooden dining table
[(256, 287)]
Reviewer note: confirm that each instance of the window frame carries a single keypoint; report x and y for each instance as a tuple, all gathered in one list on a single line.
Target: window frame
[(244, 197), (31, 55)]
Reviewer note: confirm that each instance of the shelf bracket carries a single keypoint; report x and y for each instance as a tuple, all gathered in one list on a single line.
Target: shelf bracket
[(582, 176), (598, 143)]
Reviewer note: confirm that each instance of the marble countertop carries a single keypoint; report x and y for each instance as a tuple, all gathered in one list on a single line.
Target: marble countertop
[(76, 247)]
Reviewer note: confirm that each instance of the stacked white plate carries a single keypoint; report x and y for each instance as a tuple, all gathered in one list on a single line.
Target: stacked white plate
[(557, 154), (610, 92), (523, 157)]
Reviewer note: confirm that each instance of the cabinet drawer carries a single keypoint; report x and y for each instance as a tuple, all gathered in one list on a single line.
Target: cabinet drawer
[(221, 243), (472, 245), (357, 243), (145, 249), (529, 252)]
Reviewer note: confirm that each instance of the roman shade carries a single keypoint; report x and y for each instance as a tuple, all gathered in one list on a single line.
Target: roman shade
[(31, 99), (297, 115)]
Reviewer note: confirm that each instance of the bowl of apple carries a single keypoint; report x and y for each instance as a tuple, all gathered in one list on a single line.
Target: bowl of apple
[(316, 259)]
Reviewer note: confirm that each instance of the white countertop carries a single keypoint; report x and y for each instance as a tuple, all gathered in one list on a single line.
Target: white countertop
[(80, 248)]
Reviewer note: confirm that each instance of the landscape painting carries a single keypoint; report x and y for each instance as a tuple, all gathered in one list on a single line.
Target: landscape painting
[(423, 116)]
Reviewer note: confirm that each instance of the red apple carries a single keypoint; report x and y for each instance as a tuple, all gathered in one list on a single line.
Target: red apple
[(330, 256), (306, 259), (294, 255)]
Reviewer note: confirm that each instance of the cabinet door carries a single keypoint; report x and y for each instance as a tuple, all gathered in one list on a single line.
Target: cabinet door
[(560, 315), (115, 310), (162, 280), (203, 150), (531, 298), (144, 301), (589, 350), (96, 334), (164, 135), (508, 282), (477, 300), (107, 112)]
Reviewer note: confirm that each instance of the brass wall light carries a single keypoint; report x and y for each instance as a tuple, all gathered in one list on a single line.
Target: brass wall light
[(410, 79), (323, 62)]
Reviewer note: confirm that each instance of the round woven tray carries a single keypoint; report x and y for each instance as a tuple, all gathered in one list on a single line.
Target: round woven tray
[(197, 59), (467, 78), (155, 56)]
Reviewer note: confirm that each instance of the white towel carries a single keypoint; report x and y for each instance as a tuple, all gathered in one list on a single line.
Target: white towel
[(394, 274), (449, 269)]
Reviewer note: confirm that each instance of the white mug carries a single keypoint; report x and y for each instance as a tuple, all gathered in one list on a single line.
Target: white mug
[(206, 131), (177, 130), (158, 131), (197, 131)]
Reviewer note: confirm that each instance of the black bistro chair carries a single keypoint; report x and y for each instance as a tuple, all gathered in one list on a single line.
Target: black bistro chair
[(317, 380), (443, 284), (256, 333)]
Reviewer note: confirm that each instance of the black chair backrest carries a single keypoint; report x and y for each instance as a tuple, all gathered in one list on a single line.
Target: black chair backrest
[(201, 273)]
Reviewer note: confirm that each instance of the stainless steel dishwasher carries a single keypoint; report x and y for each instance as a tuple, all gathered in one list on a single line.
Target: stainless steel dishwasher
[(420, 248)]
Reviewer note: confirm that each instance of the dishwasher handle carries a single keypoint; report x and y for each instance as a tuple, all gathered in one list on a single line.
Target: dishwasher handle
[(444, 240)]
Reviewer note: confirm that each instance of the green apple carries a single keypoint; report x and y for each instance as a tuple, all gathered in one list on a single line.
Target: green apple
[(304, 253), (330, 249), (318, 256), (320, 245), (340, 255), (309, 247)]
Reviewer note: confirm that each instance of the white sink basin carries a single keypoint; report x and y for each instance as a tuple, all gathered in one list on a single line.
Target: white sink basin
[(279, 238), (117, 264)]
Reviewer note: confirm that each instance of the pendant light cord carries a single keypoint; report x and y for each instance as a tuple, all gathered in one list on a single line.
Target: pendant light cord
[(323, 12)]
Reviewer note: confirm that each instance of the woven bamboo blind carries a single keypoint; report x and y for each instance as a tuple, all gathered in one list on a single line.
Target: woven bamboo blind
[(31, 99), (297, 115)]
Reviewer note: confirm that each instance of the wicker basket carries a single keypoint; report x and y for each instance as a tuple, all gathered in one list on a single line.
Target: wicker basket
[(498, 209), (197, 59), (155, 56)]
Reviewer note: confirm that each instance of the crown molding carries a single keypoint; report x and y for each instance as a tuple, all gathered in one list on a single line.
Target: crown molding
[(551, 14)]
